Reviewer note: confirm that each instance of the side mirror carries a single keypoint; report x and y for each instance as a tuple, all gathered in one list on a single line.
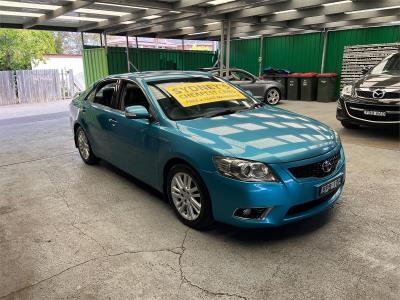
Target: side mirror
[(249, 93), (365, 70), (136, 112)]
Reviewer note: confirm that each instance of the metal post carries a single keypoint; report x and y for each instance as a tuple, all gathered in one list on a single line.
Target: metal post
[(260, 60), (83, 41), (221, 50), (228, 47), (325, 33), (105, 40), (101, 40), (183, 55), (137, 44), (127, 54)]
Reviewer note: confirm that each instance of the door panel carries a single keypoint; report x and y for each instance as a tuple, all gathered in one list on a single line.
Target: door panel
[(95, 114), (134, 145)]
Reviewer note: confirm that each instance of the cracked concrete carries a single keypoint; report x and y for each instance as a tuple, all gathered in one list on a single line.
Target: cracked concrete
[(68, 230)]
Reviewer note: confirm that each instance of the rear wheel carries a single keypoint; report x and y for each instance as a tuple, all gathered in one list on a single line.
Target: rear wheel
[(84, 148), (189, 197), (349, 125), (272, 96)]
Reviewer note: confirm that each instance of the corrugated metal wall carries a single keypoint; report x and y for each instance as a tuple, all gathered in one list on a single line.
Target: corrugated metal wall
[(94, 64), (157, 59), (244, 54), (297, 53), (337, 40)]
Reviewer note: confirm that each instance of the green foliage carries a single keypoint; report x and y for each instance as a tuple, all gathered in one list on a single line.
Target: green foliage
[(18, 48)]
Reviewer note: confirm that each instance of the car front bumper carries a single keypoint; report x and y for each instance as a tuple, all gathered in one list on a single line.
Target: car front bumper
[(352, 109), (289, 200)]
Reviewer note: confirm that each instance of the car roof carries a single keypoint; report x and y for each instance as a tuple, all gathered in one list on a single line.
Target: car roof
[(159, 75)]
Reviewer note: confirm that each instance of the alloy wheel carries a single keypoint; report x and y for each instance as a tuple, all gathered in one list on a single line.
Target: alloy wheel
[(186, 196), (273, 96), (83, 145)]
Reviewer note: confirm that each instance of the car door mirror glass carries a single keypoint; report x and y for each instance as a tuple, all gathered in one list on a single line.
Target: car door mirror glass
[(136, 112)]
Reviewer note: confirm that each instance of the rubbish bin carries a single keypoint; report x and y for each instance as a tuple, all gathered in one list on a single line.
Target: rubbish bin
[(282, 78), (308, 86), (292, 87), (326, 87)]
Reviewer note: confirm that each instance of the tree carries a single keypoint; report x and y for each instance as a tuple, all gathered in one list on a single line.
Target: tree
[(19, 48)]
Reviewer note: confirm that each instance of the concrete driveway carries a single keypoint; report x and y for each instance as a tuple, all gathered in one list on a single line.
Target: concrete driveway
[(68, 230)]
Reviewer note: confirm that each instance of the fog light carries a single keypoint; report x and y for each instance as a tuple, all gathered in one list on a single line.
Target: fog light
[(255, 213)]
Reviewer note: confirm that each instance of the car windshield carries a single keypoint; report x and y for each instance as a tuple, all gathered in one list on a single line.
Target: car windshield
[(203, 97), (390, 65)]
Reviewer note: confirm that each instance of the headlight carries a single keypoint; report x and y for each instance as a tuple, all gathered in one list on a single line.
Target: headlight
[(244, 170), (347, 90)]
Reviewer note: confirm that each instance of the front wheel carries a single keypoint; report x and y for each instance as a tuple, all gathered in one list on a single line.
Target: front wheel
[(189, 197), (85, 151), (272, 96)]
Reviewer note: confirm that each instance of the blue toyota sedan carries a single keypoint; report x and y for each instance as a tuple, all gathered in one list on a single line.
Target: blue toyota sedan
[(216, 152)]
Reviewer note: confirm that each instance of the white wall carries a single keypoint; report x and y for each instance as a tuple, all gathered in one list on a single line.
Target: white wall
[(64, 62)]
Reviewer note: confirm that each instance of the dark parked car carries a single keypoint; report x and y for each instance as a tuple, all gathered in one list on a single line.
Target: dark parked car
[(374, 99), (268, 90)]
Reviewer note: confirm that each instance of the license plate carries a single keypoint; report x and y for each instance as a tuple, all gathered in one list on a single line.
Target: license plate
[(375, 113), (330, 186)]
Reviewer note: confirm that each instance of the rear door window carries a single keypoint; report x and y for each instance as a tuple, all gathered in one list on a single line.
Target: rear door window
[(105, 95)]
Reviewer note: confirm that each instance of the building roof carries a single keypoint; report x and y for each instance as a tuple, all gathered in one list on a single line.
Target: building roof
[(197, 19)]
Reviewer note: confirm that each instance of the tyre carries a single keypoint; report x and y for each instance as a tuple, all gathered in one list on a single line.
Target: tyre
[(349, 125), (272, 96), (85, 150), (189, 197)]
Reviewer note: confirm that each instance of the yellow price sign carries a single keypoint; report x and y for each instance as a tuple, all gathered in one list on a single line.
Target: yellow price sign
[(195, 93)]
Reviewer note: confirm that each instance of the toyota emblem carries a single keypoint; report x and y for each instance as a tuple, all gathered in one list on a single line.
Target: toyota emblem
[(378, 94), (326, 166)]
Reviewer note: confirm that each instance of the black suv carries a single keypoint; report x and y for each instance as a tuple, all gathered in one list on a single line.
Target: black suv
[(374, 99)]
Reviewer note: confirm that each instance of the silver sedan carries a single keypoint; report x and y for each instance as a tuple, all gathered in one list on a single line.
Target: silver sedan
[(269, 90)]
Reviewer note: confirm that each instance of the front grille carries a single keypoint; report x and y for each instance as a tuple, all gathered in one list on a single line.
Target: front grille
[(356, 110), (387, 95), (315, 169), (300, 208)]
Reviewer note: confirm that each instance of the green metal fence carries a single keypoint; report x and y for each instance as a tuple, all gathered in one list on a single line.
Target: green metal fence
[(100, 62), (94, 64), (244, 54), (157, 59), (297, 53), (303, 52)]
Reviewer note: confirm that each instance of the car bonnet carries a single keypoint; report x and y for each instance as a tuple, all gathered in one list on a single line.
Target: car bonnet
[(266, 134)]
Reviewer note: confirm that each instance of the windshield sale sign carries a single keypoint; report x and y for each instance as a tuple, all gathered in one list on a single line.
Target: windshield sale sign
[(196, 93)]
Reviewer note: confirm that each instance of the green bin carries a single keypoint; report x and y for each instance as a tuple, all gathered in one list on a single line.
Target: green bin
[(326, 87), (308, 86), (292, 87)]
